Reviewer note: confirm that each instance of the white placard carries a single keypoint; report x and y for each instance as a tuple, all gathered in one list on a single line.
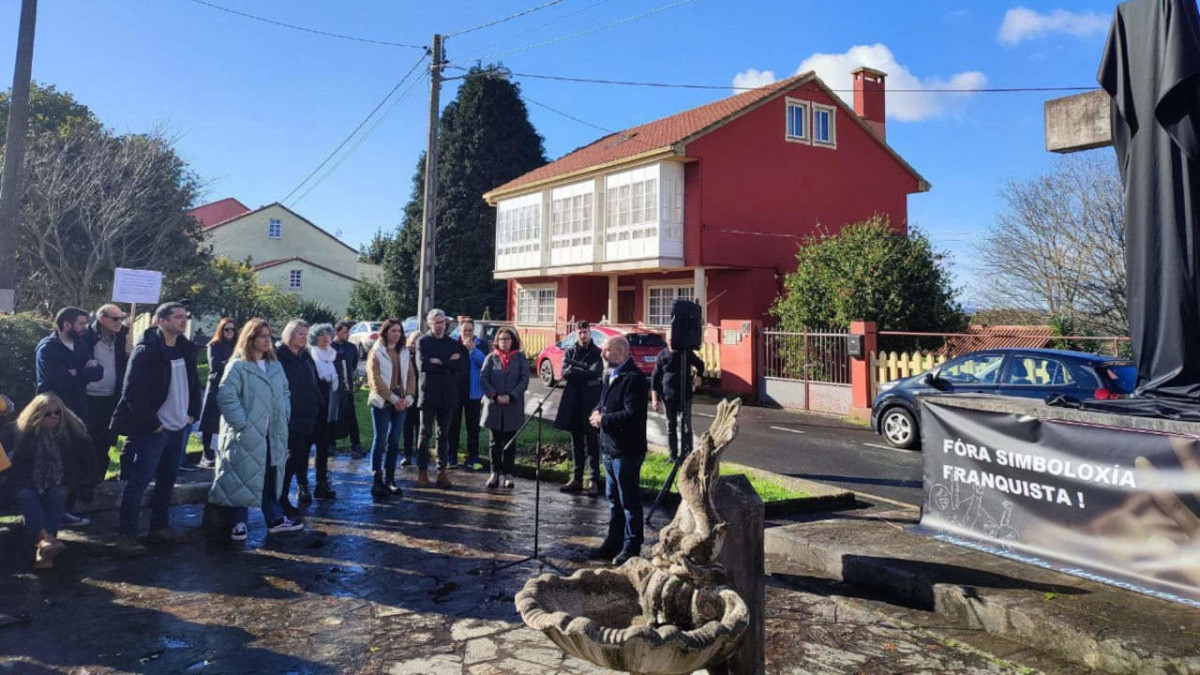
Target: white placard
[(141, 286)]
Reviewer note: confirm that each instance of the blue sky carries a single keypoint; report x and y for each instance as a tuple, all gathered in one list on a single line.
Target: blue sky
[(256, 107)]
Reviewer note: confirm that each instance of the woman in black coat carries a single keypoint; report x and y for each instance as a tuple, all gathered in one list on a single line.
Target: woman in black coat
[(220, 349), (307, 404)]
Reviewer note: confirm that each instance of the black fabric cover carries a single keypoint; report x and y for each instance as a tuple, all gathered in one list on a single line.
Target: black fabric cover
[(1151, 69)]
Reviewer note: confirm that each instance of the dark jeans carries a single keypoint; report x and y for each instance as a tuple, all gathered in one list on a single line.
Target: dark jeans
[(387, 424), (679, 427), (299, 448), (412, 426), (469, 412), (100, 412), (271, 509), (501, 454), (586, 446), (43, 510), (430, 416), (151, 456), (624, 492)]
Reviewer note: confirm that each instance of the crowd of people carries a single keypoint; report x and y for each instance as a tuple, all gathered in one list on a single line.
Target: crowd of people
[(267, 405)]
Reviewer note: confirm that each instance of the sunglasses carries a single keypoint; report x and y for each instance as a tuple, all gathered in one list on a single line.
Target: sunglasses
[(229, 330), (53, 413), (114, 318)]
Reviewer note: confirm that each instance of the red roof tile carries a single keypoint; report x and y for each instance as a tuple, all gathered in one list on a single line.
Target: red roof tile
[(218, 212), (656, 135), (998, 337)]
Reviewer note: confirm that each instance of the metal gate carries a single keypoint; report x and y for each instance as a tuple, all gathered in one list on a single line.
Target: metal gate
[(806, 371)]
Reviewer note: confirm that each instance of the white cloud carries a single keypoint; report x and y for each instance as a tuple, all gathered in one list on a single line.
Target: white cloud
[(914, 104), (1022, 23), (751, 78)]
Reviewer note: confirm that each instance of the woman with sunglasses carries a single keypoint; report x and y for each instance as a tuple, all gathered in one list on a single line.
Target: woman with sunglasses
[(220, 349), (51, 455)]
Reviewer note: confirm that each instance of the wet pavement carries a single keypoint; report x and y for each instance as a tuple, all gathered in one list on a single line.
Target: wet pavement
[(409, 586)]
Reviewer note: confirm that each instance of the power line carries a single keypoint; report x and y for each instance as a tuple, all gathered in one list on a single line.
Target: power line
[(589, 31), (726, 87), (361, 139), (357, 128), (568, 115), (314, 31), (510, 17), (538, 27)]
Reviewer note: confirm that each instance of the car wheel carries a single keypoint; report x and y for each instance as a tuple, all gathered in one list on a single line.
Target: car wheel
[(899, 428), (547, 372)]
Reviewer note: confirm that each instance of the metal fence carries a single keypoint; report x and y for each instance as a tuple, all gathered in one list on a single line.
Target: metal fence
[(807, 357), (951, 345)]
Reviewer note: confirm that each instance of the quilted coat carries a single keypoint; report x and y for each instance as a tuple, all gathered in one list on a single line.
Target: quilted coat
[(495, 380), (254, 409)]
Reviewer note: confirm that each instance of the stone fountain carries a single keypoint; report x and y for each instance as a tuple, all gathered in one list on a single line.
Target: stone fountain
[(673, 613)]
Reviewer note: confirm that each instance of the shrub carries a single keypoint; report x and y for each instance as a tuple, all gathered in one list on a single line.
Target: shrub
[(315, 312), (18, 375)]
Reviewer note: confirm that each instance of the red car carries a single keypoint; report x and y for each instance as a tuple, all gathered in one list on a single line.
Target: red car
[(643, 346)]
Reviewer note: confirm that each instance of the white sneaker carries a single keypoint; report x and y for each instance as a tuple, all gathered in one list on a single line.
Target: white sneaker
[(508, 483), (285, 525), (239, 532), (493, 481)]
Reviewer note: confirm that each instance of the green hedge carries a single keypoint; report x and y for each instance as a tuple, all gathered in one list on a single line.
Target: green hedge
[(21, 333)]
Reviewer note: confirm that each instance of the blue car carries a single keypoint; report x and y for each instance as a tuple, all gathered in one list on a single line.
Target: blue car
[(1029, 373)]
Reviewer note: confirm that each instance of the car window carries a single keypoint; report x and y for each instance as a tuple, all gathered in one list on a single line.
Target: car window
[(982, 368), (1038, 372), (598, 338), (376, 325), (358, 328), (646, 340), (569, 340)]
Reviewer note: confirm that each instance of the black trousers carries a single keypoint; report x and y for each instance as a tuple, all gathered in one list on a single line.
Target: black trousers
[(679, 427), (412, 426), (501, 454), (585, 443), (99, 417), (441, 417), (210, 453), (299, 448), (468, 412), (349, 417)]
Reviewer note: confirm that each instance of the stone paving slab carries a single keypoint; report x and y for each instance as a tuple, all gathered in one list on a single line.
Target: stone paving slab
[(409, 586)]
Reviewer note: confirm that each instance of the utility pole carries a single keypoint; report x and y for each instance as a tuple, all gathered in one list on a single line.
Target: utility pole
[(425, 284), (14, 156)]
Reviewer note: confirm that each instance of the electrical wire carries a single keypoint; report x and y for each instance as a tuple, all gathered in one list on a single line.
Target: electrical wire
[(589, 31), (314, 31), (362, 139), (726, 87), (610, 132), (538, 27), (360, 125), (501, 20)]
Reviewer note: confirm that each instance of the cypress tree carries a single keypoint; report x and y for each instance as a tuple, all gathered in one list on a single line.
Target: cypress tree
[(485, 139)]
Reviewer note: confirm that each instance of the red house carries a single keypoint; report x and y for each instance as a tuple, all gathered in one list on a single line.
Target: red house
[(708, 204)]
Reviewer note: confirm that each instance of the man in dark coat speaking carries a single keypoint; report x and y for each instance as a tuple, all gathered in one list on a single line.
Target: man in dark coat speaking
[(1151, 69), (621, 419), (583, 370)]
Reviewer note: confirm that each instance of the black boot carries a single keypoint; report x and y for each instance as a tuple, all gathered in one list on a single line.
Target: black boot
[(391, 483), (324, 490), (303, 494), (379, 490)]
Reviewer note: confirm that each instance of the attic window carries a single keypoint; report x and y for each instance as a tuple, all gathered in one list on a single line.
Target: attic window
[(797, 121), (622, 138), (824, 125), (274, 229)]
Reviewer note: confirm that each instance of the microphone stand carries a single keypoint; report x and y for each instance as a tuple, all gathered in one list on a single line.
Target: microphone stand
[(536, 556)]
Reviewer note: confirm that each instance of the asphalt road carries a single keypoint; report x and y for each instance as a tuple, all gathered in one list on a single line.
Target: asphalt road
[(803, 445)]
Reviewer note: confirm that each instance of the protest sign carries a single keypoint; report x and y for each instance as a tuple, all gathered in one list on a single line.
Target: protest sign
[(1112, 504), (136, 286)]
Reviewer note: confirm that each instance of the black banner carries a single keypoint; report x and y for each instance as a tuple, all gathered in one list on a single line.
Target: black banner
[(1115, 505)]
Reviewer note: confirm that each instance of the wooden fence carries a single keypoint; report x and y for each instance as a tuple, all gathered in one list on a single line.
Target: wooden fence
[(888, 366)]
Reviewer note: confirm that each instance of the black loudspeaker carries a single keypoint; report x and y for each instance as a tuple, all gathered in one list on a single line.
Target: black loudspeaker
[(687, 325)]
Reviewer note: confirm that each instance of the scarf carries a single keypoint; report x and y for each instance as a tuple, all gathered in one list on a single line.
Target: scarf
[(324, 358), (505, 358)]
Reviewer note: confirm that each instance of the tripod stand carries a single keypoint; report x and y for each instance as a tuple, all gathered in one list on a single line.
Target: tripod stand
[(537, 490)]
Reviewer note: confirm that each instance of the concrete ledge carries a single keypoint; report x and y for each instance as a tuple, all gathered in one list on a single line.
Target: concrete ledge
[(1087, 623)]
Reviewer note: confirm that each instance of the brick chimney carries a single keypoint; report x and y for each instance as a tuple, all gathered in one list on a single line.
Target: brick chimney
[(869, 86)]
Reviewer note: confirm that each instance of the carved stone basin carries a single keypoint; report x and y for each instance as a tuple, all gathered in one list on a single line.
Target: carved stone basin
[(596, 615)]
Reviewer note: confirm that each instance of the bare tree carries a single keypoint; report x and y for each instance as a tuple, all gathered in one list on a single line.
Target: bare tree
[(1059, 245), (94, 202)]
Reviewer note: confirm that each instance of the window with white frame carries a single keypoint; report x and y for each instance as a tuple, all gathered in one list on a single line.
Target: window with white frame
[(824, 125), (519, 230), (535, 304), (294, 280), (797, 120), (274, 229), (631, 210), (571, 221), (659, 299)]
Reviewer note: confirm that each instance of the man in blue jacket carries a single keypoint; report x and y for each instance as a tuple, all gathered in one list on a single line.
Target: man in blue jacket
[(159, 402), (64, 361), (621, 419)]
